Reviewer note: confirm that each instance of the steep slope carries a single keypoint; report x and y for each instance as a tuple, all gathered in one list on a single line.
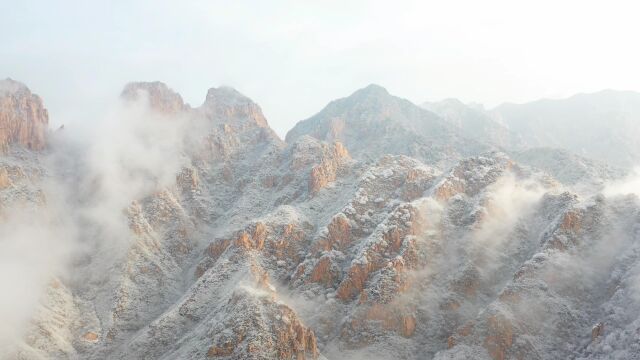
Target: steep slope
[(371, 123), (600, 125)]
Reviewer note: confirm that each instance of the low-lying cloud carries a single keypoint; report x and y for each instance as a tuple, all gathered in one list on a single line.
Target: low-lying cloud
[(94, 172)]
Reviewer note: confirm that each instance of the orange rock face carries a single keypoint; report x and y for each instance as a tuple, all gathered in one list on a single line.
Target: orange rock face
[(216, 248), (499, 338), (408, 325), (339, 234), (254, 240), (340, 151), (282, 242), (281, 334), (325, 172), (23, 118), (295, 341), (448, 189), (228, 103), (90, 336), (571, 222), (223, 350), (388, 316), (353, 284), (323, 273), (4, 179)]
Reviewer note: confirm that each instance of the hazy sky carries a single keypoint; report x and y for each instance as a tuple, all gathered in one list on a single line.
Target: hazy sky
[(292, 57)]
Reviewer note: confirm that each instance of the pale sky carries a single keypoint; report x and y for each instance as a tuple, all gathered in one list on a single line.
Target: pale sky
[(293, 57)]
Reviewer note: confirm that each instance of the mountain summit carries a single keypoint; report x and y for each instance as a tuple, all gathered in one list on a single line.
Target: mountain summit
[(371, 122)]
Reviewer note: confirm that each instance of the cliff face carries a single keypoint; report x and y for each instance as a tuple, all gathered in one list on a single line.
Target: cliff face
[(23, 117)]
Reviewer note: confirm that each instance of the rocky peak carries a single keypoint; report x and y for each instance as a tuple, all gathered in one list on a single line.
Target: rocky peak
[(368, 99), (226, 95), (227, 102), (371, 90), (368, 106), (161, 98), (237, 126), (23, 117)]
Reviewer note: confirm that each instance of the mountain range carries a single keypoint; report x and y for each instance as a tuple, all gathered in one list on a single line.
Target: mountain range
[(376, 229)]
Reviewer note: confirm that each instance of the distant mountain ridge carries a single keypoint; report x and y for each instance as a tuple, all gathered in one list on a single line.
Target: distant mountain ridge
[(475, 123), (600, 125)]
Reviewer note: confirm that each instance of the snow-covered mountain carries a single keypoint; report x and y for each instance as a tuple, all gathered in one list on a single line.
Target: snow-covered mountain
[(377, 230)]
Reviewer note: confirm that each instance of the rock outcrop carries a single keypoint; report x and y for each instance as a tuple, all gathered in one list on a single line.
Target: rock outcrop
[(326, 171), (24, 120), (158, 95)]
